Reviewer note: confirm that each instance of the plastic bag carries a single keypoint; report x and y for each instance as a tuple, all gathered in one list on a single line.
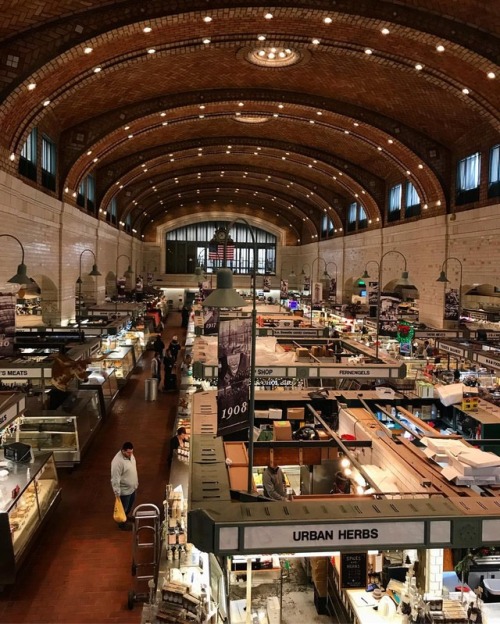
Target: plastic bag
[(118, 512)]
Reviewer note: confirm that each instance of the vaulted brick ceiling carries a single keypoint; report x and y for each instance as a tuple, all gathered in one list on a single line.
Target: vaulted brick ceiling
[(158, 116)]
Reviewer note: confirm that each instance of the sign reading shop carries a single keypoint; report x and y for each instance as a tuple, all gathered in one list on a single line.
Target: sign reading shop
[(318, 536)]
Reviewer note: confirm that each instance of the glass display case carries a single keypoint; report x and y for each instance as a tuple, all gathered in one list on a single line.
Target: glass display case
[(58, 434), (122, 360), (67, 430), (103, 379), (28, 493)]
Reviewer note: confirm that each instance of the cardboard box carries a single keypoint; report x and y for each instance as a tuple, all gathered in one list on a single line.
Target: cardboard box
[(470, 404), (282, 430), (275, 414), (261, 414), (301, 352), (316, 351), (295, 413)]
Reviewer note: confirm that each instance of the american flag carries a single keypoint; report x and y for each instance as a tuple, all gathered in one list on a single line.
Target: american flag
[(216, 252)]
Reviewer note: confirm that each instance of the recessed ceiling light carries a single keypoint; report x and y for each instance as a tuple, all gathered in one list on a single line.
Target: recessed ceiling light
[(12, 157), (368, 51), (420, 166), (419, 66), (31, 86), (46, 102), (379, 148), (327, 20), (346, 132), (151, 51), (97, 70), (268, 16), (241, 104), (465, 91), (491, 75), (147, 29), (440, 48), (385, 31), (130, 136), (315, 41), (261, 37), (89, 152), (207, 19), (163, 114), (96, 159), (206, 41), (126, 127), (165, 123), (356, 124), (87, 50), (390, 141)]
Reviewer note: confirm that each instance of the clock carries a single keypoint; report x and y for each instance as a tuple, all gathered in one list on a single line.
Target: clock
[(220, 235)]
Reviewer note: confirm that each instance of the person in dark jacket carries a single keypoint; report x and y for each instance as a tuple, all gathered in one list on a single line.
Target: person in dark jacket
[(158, 345), (177, 441), (174, 347)]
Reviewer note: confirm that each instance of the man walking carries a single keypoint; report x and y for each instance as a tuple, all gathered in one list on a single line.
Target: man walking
[(124, 480)]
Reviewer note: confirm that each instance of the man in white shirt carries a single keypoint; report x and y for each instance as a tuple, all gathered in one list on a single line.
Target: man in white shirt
[(124, 480)]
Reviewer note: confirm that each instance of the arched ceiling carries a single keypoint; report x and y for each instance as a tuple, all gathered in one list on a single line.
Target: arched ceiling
[(159, 101)]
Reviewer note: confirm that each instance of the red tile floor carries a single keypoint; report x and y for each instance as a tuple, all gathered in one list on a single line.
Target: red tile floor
[(79, 570)]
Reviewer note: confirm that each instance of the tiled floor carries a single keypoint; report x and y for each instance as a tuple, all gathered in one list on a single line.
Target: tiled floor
[(79, 571)]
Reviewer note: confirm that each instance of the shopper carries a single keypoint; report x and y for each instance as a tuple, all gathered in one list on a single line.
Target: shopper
[(177, 442), (273, 481), (168, 376), (124, 480), (158, 345), (174, 347), (156, 365), (185, 316)]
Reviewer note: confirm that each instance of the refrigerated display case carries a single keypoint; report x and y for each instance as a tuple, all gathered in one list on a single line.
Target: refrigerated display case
[(28, 494), (122, 360)]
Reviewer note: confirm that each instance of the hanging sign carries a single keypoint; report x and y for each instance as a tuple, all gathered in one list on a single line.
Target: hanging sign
[(317, 293), (266, 283), (353, 570), (369, 534), (307, 283), (283, 289), (210, 321), (388, 315), (451, 300), (372, 293), (233, 380), (332, 292), (7, 319)]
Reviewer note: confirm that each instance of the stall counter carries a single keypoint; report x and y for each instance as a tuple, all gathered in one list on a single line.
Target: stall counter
[(365, 613)]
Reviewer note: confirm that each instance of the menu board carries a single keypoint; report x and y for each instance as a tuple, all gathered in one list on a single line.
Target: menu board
[(353, 570)]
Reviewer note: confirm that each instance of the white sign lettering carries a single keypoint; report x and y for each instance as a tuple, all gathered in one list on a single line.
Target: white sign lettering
[(488, 361), (332, 535), (454, 350)]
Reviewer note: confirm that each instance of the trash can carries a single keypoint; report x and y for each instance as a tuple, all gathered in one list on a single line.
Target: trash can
[(151, 389)]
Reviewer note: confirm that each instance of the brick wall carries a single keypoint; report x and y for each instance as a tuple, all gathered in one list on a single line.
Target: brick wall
[(54, 236)]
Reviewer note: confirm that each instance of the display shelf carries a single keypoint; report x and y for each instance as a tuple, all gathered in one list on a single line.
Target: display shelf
[(27, 494), (121, 359)]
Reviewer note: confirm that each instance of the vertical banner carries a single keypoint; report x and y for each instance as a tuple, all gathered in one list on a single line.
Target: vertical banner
[(307, 283), (149, 279), (388, 315), (210, 321), (372, 294), (283, 289), (7, 319), (332, 292), (266, 284), (139, 284), (120, 287), (317, 293), (233, 384), (451, 305)]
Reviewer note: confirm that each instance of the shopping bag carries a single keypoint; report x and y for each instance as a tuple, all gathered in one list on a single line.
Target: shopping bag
[(118, 512)]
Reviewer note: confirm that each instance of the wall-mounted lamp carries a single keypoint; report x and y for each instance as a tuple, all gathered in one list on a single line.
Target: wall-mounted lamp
[(443, 278), (94, 273)]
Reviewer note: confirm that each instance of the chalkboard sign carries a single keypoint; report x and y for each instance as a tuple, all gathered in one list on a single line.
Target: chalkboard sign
[(353, 570)]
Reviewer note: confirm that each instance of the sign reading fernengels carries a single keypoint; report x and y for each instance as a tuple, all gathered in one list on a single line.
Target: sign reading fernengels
[(333, 535)]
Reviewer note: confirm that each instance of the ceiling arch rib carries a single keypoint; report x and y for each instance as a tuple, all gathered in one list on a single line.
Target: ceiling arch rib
[(299, 202), (190, 202), (323, 174), (402, 158), (133, 47), (330, 177), (303, 204)]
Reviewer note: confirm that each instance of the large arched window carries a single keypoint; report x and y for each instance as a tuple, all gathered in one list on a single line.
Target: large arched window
[(188, 247)]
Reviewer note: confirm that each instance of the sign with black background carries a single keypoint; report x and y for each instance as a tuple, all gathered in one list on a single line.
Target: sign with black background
[(353, 570)]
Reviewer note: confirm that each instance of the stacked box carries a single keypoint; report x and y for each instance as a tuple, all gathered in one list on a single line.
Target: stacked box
[(424, 390), (301, 352), (282, 430), (470, 404), (295, 413)]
